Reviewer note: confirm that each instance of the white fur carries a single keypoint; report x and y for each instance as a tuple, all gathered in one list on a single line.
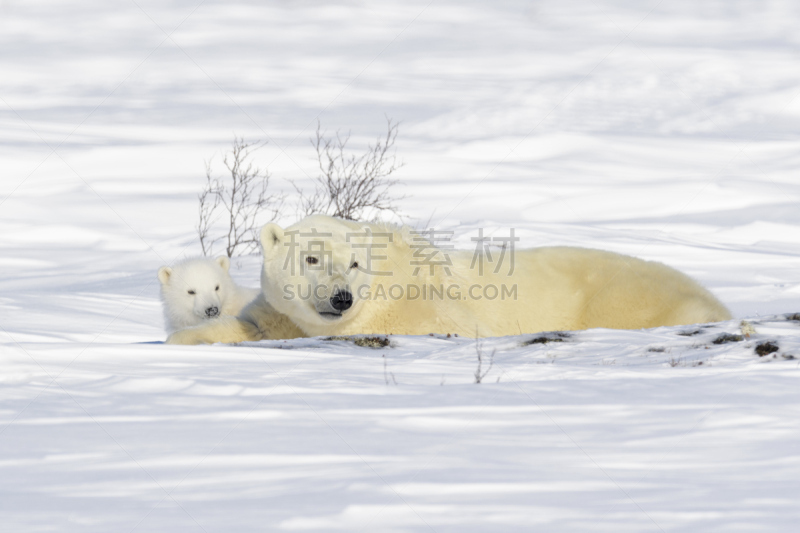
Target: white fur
[(557, 288), (187, 320), (213, 288)]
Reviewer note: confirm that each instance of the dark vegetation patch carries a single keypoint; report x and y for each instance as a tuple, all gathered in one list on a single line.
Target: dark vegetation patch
[(788, 356), (364, 342), (690, 333), (725, 338), (657, 349), (766, 348), (558, 336), (793, 316)]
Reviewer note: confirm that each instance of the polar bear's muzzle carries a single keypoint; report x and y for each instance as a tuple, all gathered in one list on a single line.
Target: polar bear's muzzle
[(332, 309), (342, 300)]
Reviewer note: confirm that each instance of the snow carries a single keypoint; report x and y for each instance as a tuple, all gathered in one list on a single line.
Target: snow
[(662, 130)]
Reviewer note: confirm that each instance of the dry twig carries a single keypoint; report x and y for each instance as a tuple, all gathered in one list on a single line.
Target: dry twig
[(478, 348)]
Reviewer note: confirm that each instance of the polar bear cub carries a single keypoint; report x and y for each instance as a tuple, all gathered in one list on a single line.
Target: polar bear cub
[(201, 303), (199, 289), (338, 277)]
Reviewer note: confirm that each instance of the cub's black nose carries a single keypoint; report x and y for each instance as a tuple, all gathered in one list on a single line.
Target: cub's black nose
[(211, 312), (342, 300)]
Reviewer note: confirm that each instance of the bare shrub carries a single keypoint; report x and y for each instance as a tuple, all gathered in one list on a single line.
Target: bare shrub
[(352, 186), (241, 200)]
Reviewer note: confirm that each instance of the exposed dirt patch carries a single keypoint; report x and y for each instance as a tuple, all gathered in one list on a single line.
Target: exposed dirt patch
[(766, 348), (558, 336), (364, 342), (725, 338)]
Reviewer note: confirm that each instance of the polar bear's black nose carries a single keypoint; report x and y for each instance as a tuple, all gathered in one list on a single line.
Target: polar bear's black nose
[(342, 300), (211, 312)]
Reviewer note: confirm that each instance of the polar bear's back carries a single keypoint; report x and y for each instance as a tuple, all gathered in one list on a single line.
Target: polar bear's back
[(565, 288)]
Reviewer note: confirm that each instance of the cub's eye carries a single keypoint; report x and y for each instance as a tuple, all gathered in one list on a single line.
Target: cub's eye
[(216, 288), (354, 265), (191, 292), (311, 260)]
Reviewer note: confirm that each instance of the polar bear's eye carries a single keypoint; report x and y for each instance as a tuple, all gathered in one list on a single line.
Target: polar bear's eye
[(191, 291), (311, 260), (216, 288)]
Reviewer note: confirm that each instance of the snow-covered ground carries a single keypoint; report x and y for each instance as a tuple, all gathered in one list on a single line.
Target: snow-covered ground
[(665, 130)]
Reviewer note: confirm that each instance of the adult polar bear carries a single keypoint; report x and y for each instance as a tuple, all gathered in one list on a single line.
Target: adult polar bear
[(338, 277)]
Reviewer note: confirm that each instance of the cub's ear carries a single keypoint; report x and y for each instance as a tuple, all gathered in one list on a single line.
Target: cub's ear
[(164, 273), (223, 262), (271, 238)]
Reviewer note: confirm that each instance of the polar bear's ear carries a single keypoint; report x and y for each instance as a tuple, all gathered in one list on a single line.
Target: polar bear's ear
[(271, 238), (223, 262), (164, 273)]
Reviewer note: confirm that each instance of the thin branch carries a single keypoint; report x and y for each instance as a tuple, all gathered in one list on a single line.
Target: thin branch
[(478, 348), (245, 199), (352, 186)]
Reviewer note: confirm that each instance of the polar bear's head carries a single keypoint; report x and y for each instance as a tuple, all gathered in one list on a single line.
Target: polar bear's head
[(313, 269), (194, 290)]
